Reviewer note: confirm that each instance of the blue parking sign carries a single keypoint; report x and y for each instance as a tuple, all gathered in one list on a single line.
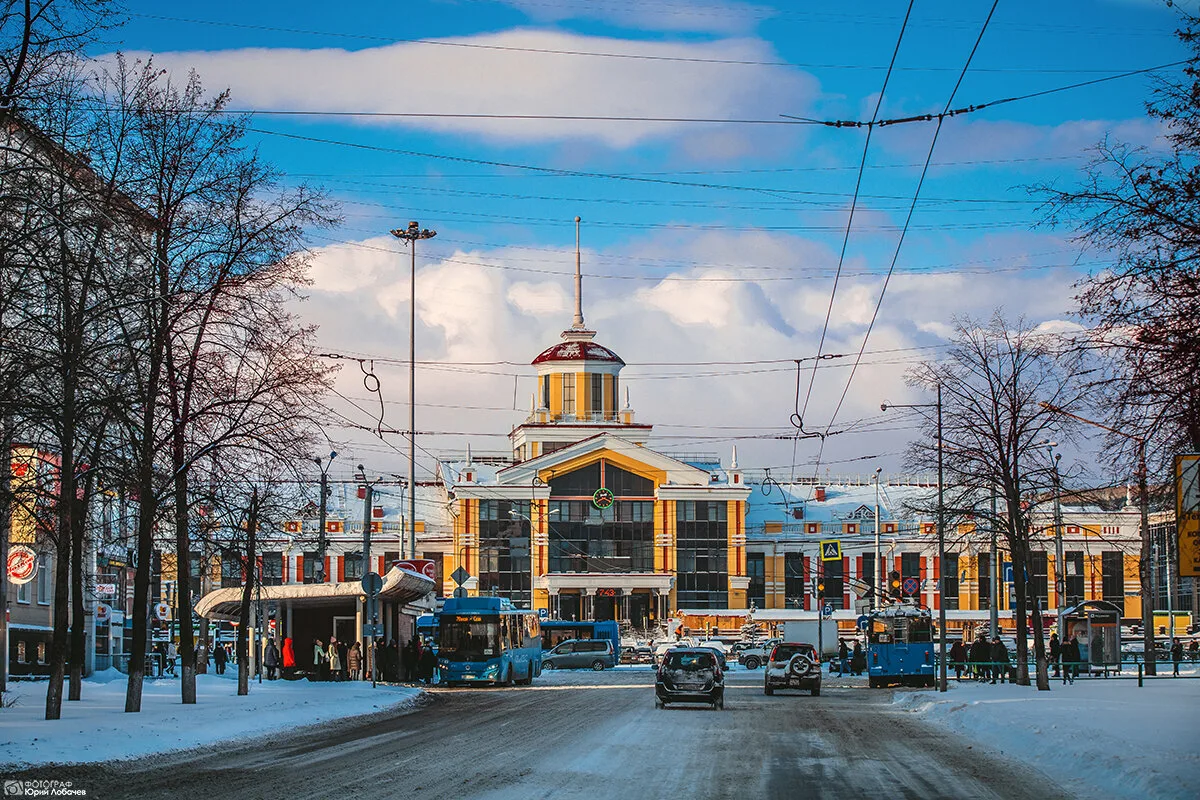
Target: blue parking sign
[(827, 610)]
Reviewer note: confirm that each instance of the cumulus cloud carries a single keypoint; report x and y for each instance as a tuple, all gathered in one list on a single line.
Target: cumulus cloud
[(488, 77), (472, 308)]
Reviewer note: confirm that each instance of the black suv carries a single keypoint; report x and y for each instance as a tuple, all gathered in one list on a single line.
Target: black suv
[(690, 675)]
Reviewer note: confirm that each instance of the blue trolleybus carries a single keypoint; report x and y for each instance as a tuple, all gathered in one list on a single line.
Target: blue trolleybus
[(900, 646), (488, 640)]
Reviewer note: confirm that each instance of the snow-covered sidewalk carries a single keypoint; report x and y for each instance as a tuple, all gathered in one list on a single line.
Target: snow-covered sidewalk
[(96, 728), (1095, 738)]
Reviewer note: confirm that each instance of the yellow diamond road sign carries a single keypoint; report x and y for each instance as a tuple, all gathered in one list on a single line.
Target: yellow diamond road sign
[(831, 550)]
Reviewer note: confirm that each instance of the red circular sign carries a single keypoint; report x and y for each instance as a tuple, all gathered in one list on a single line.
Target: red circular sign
[(22, 564)]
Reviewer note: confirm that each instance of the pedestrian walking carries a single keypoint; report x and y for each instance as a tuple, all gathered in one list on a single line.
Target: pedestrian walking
[(408, 661), (1000, 664), (170, 662), (1194, 650), (1070, 660), (843, 657), (353, 661), (289, 658), (271, 659), (219, 658), (335, 659), (958, 654), (320, 660), (391, 664), (1055, 652), (1176, 655), (342, 653)]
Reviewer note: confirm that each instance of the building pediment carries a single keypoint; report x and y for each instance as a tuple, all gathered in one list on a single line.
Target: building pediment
[(661, 469)]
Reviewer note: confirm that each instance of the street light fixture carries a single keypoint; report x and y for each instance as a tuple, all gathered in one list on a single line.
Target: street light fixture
[(941, 533), (411, 234), (319, 568), (1060, 567)]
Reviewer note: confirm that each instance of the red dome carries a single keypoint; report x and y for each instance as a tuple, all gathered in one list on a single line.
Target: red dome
[(578, 351)]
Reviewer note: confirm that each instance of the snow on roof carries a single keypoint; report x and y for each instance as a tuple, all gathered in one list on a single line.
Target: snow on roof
[(840, 503)]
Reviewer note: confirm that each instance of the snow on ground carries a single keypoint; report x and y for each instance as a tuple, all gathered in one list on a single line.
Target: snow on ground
[(97, 728), (1096, 738)]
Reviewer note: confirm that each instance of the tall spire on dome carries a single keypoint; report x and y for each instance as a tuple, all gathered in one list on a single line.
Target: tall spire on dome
[(578, 332), (577, 324)]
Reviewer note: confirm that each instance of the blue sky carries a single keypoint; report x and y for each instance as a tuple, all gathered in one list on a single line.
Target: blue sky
[(703, 242)]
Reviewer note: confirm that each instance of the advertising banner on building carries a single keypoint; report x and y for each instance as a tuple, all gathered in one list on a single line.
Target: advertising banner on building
[(1187, 513)]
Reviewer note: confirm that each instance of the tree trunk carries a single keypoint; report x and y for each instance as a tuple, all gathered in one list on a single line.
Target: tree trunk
[(1020, 614), (183, 592), (1039, 648), (243, 634), (65, 511), (78, 616)]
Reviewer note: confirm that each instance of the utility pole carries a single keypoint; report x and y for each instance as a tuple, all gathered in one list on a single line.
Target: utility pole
[(319, 568), (878, 560), (994, 573), (411, 234), (370, 612), (1060, 567)]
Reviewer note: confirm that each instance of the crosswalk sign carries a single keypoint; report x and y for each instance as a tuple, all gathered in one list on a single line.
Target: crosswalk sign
[(831, 550)]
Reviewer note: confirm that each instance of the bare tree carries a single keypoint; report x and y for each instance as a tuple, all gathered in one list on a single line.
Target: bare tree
[(993, 379)]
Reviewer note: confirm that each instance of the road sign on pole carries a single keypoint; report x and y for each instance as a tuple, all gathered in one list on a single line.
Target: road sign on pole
[(831, 550), (827, 610), (911, 585), (460, 576), (372, 584), (862, 622), (460, 592)]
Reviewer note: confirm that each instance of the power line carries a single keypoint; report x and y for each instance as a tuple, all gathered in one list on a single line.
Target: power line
[(798, 419), (908, 218)]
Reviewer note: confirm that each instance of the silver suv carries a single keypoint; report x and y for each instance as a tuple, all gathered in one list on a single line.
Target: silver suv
[(755, 656), (793, 666), (594, 654)]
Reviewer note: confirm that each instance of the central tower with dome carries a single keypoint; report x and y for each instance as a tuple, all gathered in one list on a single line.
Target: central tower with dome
[(578, 390)]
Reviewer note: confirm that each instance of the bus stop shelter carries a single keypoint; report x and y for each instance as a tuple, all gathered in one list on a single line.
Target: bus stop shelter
[(1097, 626)]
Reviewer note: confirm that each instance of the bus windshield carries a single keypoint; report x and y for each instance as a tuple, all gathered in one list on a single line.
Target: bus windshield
[(469, 638)]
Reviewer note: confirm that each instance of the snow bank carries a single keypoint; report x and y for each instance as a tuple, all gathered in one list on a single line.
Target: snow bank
[(1097, 738), (97, 728)]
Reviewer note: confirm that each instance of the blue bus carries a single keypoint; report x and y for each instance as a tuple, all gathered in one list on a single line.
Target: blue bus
[(427, 628), (488, 640), (557, 630), (900, 646)]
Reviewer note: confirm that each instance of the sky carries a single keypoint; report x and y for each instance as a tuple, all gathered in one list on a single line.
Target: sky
[(714, 211)]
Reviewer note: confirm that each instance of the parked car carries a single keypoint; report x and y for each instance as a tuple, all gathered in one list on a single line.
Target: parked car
[(793, 665), (662, 648), (594, 654), (755, 656), (690, 675)]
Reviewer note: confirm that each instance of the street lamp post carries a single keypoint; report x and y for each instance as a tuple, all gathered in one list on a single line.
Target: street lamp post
[(941, 534), (319, 568), (411, 234)]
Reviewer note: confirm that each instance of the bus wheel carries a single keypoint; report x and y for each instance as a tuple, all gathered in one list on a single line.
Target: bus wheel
[(872, 683), (598, 665), (508, 677)]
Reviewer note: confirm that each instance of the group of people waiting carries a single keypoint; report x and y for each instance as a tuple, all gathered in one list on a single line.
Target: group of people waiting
[(982, 660), (337, 661)]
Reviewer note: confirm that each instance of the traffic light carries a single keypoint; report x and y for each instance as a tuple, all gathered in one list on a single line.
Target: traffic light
[(894, 583), (821, 589)]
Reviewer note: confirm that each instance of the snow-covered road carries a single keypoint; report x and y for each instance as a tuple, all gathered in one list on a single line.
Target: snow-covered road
[(592, 735)]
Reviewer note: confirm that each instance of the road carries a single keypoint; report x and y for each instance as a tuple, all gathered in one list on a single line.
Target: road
[(590, 735)]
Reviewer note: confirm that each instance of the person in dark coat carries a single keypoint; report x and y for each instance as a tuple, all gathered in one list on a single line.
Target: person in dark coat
[(408, 661), (219, 658), (343, 672), (999, 657), (391, 662), (858, 660), (1070, 660), (1055, 652), (843, 657), (979, 655), (427, 663), (1176, 655), (958, 654), (271, 659)]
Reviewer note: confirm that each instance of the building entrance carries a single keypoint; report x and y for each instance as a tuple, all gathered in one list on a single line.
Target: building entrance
[(605, 607), (568, 606), (639, 610)]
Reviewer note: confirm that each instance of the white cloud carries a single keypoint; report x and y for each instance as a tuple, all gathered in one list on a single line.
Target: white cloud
[(468, 312), (434, 79)]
